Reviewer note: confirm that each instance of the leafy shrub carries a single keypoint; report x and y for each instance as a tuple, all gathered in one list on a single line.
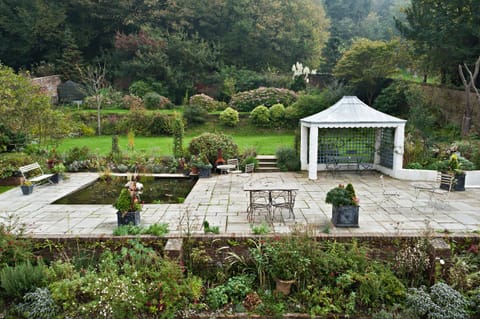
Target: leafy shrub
[(379, 286), (306, 105), (178, 131), (127, 284), (139, 88), (22, 278), (260, 116), (208, 144), (9, 139), (110, 99), (132, 103), (194, 115), (234, 291), (440, 302), (203, 101), (277, 114), (38, 305), (247, 101), (287, 159), (10, 162), (229, 117), (14, 248), (160, 124), (154, 101), (393, 99)]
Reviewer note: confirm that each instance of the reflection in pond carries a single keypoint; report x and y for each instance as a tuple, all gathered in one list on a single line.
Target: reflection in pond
[(155, 190)]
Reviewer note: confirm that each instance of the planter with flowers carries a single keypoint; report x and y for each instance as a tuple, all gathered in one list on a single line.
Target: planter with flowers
[(345, 209), (128, 206), (27, 187), (454, 169)]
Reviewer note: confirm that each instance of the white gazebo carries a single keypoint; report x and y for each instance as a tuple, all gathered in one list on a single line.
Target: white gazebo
[(352, 127)]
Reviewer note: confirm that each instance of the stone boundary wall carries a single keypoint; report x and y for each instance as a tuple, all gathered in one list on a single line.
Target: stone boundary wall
[(49, 85)]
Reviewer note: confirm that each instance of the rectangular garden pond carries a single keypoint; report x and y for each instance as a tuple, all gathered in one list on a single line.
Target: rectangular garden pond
[(156, 190)]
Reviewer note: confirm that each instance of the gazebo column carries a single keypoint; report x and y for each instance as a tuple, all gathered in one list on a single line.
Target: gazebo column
[(398, 148), (313, 153), (303, 147), (378, 142)]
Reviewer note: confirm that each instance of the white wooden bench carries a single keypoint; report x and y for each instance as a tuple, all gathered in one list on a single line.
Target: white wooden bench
[(39, 177)]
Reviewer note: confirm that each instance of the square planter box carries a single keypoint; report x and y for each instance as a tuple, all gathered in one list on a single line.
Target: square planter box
[(345, 216), (128, 218)]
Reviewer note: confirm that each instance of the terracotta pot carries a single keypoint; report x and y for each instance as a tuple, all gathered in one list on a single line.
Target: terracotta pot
[(283, 286)]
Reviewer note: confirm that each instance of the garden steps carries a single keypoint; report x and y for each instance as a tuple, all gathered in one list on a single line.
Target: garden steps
[(267, 164)]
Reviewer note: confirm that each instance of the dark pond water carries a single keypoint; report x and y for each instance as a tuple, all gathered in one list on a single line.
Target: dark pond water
[(155, 190)]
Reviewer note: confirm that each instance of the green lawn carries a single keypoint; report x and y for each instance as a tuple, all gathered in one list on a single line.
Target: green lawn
[(264, 143), (3, 189)]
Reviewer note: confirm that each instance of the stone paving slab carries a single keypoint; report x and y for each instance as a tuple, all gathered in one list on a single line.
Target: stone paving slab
[(222, 202)]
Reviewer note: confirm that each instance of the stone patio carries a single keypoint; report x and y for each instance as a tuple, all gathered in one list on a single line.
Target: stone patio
[(222, 202)]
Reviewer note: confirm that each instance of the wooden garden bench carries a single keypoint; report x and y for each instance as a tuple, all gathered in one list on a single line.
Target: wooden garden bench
[(28, 173)]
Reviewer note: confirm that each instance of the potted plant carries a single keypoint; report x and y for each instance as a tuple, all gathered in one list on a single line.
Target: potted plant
[(345, 207), (128, 206), (27, 187), (202, 164), (284, 262), (58, 170), (453, 168)]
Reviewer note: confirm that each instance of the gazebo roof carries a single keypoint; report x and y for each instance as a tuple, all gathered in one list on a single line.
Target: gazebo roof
[(350, 111)]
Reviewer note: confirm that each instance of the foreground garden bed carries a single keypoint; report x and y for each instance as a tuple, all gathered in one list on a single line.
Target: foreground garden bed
[(225, 277)]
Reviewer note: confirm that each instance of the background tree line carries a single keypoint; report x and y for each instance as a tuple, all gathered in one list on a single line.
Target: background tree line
[(180, 46)]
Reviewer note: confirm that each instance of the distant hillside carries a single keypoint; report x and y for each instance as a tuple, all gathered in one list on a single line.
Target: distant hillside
[(452, 103)]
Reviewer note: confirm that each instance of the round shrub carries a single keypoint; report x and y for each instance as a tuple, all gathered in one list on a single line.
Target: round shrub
[(203, 101), (260, 116), (194, 115), (229, 117), (132, 102), (248, 100), (139, 88), (277, 114), (152, 100), (160, 124), (155, 101), (209, 144)]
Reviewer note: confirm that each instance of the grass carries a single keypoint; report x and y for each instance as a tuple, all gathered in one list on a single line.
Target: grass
[(3, 189), (265, 140), (102, 145)]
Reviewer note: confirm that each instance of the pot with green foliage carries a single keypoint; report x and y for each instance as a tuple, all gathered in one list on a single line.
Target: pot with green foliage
[(345, 209), (27, 187), (202, 164), (128, 207), (283, 261), (58, 170), (454, 169)]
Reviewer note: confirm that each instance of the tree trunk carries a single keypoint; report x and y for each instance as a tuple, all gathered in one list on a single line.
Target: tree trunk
[(467, 114), (99, 120)]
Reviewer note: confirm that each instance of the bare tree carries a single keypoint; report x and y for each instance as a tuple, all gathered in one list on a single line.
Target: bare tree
[(94, 80), (469, 85)]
